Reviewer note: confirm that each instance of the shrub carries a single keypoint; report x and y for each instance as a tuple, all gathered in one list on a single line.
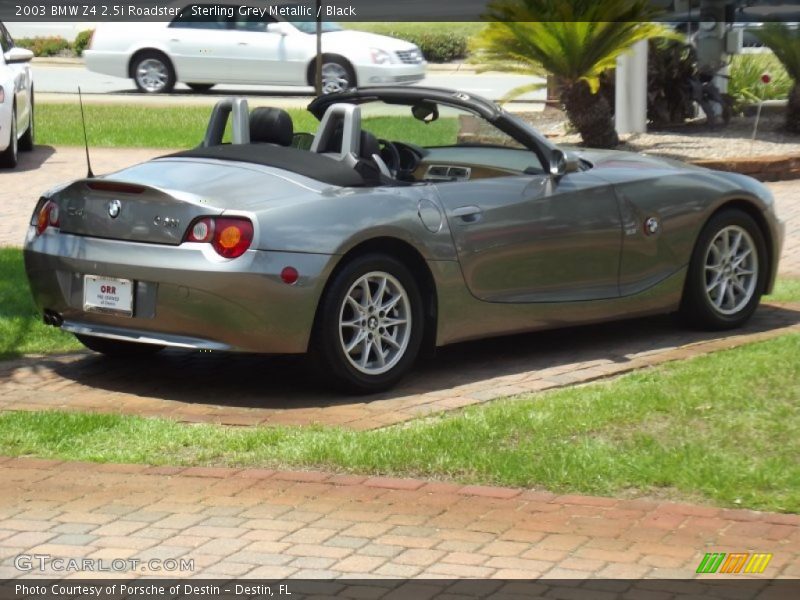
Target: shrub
[(44, 46), (82, 41), (439, 42), (745, 85)]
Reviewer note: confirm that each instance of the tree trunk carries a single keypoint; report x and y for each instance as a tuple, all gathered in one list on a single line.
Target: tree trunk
[(591, 115), (793, 109)]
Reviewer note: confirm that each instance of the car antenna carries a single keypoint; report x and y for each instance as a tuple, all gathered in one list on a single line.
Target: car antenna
[(89, 173)]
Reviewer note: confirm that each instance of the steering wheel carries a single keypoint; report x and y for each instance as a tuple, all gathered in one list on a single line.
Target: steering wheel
[(391, 156)]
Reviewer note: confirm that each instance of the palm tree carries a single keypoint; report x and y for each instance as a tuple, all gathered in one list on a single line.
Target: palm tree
[(576, 42), (785, 44)]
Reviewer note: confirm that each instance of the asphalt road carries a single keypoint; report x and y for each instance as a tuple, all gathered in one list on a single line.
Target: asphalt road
[(65, 79)]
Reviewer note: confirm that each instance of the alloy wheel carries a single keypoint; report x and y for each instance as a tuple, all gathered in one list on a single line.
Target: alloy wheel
[(731, 270), (375, 323), (152, 75), (334, 78)]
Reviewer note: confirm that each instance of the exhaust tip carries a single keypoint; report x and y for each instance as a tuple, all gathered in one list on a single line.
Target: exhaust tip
[(50, 317)]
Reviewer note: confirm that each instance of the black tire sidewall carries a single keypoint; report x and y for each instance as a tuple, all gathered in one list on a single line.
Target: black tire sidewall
[(9, 156), (26, 142), (696, 305), (327, 353)]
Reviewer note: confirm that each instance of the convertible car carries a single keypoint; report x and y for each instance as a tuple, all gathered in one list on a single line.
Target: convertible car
[(409, 219)]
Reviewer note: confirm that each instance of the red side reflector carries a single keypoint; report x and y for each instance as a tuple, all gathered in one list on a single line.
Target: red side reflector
[(289, 275)]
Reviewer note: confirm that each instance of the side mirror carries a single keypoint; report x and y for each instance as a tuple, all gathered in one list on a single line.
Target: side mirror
[(562, 163), (18, 55)]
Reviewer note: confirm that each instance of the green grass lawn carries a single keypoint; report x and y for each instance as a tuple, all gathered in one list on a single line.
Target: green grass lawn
[(132, 126), (720, 428), (21, 327)]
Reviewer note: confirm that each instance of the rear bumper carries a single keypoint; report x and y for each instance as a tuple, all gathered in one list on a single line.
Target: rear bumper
[(184, 296), (108, 63)]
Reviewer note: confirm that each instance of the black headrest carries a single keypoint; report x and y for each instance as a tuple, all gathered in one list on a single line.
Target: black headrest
[(271, 125), (369, 145)]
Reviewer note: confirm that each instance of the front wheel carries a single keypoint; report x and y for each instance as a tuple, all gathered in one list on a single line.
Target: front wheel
[(337, 76), (727, 273), (370, 325), (117, 348)]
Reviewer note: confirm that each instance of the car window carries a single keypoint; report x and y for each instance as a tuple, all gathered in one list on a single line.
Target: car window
[(6, 43), (252, 23), (189, 20)]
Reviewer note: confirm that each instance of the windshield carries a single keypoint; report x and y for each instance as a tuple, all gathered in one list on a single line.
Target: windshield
[(311, 26)]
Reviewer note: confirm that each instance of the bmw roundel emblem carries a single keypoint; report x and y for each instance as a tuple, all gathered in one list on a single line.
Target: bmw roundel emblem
[(113, 208), (652, 225)]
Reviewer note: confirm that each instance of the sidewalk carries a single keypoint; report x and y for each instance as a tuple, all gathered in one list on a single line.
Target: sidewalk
[(265, 524)]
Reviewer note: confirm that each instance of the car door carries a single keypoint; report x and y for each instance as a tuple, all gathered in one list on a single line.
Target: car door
[(268, 52), (536, 238), (200, 47)]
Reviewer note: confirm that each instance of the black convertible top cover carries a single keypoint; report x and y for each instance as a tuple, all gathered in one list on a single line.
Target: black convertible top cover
[(309, 164)]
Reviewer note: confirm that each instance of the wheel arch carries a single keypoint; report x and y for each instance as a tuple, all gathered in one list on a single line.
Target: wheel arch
[(328, 56), (414, 261), (753, 211), (144, 50)]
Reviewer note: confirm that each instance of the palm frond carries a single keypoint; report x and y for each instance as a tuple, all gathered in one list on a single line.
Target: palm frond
[(520, 90)]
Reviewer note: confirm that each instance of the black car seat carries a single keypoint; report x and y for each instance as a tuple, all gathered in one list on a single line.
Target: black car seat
[(271, 126)]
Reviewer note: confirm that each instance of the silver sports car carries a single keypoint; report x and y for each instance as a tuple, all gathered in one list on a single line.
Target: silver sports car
[(368, 252)]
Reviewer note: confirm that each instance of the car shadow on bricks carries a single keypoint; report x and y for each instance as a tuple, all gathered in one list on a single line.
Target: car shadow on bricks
[(253, 389), (30, 161)]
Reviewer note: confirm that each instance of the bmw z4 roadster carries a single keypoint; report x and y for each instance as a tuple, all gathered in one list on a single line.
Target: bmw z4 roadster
[(410, 219)]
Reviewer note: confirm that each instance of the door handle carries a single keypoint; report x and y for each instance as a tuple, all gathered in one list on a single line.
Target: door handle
[(468, 214), (175, 40), (243, 43)]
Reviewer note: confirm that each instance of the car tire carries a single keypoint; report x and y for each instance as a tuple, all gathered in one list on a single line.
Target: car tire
[(153, 72), (337, 75), (8, 157), (200, 88), (358, 347), (727, 273), (118, 348), (27, 139)]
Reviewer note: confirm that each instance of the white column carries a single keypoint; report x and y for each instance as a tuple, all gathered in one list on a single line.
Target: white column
[(630, 106)]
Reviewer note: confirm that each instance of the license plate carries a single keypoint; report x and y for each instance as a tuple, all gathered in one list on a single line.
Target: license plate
[(108, 295)]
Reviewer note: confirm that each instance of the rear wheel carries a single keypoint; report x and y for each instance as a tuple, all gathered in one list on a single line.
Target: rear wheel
[(8, 157), (153, 72), (117, 348), (200, 88), (727, 272), (370, 325)]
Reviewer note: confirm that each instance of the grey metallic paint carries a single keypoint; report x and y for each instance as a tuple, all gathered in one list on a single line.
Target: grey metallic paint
[(506, 254)]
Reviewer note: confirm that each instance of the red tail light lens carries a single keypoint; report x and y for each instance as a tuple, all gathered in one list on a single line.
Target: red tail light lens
[(47, 217), (229, 236)]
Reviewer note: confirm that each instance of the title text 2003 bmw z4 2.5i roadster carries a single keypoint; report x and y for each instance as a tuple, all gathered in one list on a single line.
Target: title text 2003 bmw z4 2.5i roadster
[(366, 251)]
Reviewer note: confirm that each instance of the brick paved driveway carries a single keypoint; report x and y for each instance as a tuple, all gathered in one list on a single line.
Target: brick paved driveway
[(263, 524)]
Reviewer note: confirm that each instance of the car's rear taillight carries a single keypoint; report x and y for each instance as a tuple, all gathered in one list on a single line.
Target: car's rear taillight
[(229, 236), (2, 95), (47, 217)]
